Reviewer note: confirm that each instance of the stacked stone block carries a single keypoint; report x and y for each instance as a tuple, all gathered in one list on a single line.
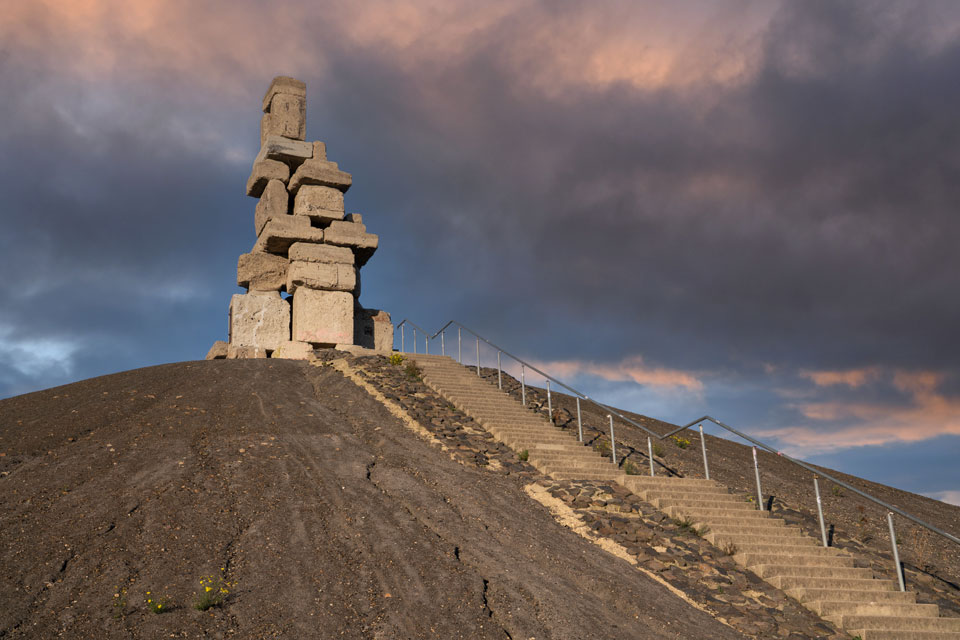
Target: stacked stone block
[(303, 273)]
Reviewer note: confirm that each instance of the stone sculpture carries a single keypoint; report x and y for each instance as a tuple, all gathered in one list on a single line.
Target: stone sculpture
[(303, 274)]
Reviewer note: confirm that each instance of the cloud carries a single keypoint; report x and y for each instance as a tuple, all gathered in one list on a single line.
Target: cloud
[(949, 496), (632, 369), (853, 378)]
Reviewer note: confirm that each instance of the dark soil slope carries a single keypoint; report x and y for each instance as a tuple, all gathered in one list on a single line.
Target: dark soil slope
[(326, 514)]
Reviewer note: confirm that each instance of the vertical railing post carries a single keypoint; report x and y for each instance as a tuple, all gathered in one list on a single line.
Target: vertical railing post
[(896, 552), (426, 345), (414, 341), (650, 455), (403, 331), (478, 357), (523, 387), (823, 527), (549, 403), (613, 443), (443, 346), (756, 472), (499, 375), (579, 422), (459, 350), (703, 445)]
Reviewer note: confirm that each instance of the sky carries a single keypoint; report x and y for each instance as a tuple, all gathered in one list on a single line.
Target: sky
[(747, 209)]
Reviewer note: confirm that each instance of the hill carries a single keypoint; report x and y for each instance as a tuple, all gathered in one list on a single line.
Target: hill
[(324, 513)]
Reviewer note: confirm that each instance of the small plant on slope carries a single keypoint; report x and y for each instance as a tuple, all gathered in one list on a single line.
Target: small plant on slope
[(213, 592), (155, 604), (524, 455), (683, 443), (629, 468), (658, 450), (119, 602), (396, 359)]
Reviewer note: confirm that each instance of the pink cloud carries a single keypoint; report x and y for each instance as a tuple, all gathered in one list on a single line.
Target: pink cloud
[(853, 378), (632, 369)]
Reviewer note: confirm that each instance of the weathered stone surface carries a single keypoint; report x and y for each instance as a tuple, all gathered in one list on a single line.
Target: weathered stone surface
[(263, 172), (354, 217), (284, 84), (280, 233), (321, 204), (317, 275), (287, 117), (262, 271), (319, 150), (259, 319), (292, 350), (320, 253), (218, 351), (243, 352), (285, 150), (319, 172), (322, 317), (373, 329), (274, 203), (353, 235)]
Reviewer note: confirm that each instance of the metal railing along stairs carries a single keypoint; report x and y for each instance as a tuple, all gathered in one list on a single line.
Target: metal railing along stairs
[(652, 435)]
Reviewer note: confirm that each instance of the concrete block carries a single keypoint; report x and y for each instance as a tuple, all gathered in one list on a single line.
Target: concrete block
[(322, 317), (274, 203), (320, 204), (284, 84), (285, 150), (373, 329), (263, 172), (218, 351), (262, 271), (287, 117), (318, 275), (321, 253), (292, 350), (243, 352), (259, 319), (321, 173), (353, 235), (280, 233)]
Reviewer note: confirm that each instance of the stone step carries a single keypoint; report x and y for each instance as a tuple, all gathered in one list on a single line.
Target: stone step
[(610, 477), (712, 503), (826, 608), (812, 560), (725, 516), (724, 539), (735, 532), (785, 583), (807, 595), (785, 549), (641, 483), (705, 493), (895, 623), (721, 523)]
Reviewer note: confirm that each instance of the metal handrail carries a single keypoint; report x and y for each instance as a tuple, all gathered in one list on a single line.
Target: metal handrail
[(757, 443)]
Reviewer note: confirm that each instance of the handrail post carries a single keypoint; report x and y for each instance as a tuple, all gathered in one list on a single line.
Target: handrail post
[(403, 331), (579, 421), (459, 350), (499, 376), (756, 472), (426, 345), (478, 357), (549, 403), (703, 445), (523, 387), (443, 347), (823, 528), (613, 443), (650, 454), (896, 553), (414, 341)]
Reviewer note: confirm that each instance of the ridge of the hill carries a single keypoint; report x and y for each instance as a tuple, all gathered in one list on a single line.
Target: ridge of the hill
[(329, 516), (258, 477)]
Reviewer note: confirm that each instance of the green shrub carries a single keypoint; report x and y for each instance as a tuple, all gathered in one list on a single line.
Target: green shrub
[(396, 359), (524, 455)]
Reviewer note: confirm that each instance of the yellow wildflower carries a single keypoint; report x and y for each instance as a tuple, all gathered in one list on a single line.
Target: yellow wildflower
[(209, 588)]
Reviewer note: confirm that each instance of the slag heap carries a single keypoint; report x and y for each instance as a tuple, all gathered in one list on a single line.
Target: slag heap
[(303, 274)]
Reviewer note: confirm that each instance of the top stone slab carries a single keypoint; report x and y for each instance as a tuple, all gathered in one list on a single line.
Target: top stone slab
[(284, 84)]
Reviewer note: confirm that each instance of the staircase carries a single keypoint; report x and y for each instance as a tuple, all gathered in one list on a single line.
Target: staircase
[(824, 580)]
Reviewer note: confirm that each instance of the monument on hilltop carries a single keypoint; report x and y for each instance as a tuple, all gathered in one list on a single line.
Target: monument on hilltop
[(303, 274)]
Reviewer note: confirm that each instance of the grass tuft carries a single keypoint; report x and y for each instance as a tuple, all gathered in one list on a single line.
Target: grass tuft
[(524, 455)]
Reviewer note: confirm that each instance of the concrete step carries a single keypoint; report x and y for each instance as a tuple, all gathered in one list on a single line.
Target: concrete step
[(720, 518), (774, 532), (785, 583), (895, 623), (610, 477), (826, 608), (813, 560), (705, 493), (785, 549), (807, 595), (643, 483), (712, 501)]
